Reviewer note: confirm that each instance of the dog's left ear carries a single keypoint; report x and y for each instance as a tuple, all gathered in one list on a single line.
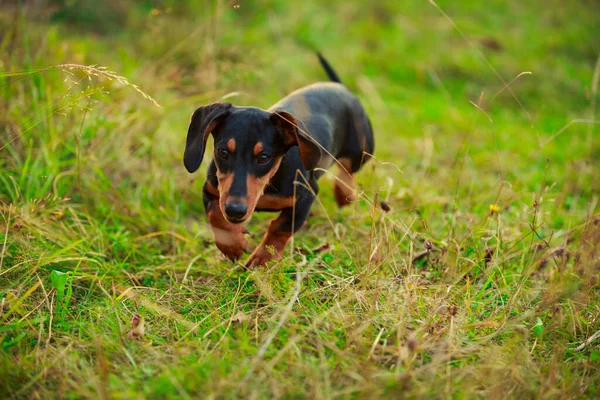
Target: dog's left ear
[(203, 122), (286, 124)]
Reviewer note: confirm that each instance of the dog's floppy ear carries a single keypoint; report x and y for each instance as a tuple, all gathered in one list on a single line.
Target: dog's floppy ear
[(203, 121), (286, 124)]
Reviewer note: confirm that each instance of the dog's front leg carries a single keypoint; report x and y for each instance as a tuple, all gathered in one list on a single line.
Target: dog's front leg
[(280, 231), (229, 237)]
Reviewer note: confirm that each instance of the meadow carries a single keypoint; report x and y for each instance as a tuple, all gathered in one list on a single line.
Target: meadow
[(468, 268)]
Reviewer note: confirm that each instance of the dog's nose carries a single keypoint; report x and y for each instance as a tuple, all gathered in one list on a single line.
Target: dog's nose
[(235, 210)]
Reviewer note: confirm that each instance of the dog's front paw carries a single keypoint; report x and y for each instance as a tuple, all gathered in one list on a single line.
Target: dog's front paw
[(261, 256), (233, 248)]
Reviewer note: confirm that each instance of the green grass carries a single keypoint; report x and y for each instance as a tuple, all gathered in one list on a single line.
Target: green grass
[(441, 297)]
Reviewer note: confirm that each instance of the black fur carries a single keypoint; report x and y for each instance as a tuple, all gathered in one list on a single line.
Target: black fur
[(330, 72)]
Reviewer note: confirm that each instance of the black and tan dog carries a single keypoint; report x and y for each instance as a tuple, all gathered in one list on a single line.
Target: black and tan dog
[(260, 155)]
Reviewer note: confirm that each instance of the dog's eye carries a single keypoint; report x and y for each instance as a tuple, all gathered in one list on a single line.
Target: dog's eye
[(263, 158), (223, 154)]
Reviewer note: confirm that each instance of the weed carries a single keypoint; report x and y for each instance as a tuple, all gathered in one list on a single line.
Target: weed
[(63, 283)]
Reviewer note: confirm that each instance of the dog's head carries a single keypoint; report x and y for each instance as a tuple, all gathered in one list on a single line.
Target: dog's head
[(249, 144)]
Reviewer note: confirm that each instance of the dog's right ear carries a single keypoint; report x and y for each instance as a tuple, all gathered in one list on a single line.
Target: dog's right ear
[(287, 125), (203, 122)]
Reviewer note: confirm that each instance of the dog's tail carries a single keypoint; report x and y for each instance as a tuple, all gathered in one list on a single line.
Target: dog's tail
[(330, 72)]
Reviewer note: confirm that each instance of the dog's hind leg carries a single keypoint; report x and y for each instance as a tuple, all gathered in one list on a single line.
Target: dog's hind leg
[(358, 145), (345, 186)]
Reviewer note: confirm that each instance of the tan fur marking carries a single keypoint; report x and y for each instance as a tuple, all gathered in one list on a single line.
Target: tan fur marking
[(254, 189), (258, 148), (225, 181), (211, 189), (274, 202), (300, 108), (231, 145), (345, 186)]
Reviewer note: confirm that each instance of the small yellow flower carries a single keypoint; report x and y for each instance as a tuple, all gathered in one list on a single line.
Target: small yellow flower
[(494, 208)]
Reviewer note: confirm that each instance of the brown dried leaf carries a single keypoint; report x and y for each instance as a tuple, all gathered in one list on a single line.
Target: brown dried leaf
[(240, 317)]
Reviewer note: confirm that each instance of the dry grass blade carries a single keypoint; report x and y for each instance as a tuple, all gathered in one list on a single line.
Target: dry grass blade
[(90, 70), (104, 72), (588, 342)]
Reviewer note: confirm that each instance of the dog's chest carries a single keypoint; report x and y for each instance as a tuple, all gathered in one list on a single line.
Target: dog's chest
[(270, 202)]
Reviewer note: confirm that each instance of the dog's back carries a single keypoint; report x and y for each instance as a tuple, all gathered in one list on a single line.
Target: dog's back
[(334, 117)]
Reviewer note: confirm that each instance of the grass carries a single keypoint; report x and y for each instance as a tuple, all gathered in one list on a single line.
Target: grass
[(481, 282)]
